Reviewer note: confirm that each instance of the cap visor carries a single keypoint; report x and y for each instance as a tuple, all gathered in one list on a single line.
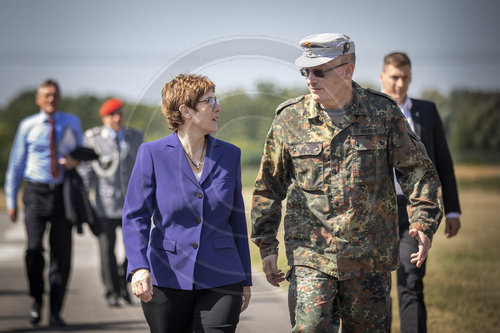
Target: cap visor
[(303, 61)]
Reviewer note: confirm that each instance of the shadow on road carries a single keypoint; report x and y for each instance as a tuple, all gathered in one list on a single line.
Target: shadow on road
[(121, 326)]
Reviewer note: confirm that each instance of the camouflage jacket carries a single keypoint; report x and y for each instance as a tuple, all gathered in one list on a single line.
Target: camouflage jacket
[(341, 215)]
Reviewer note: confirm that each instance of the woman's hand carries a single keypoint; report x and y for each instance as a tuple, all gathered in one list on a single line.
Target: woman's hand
[(247, 293), (142, 285)]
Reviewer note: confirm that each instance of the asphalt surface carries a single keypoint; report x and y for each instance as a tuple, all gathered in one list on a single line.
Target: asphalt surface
[(85, 309)]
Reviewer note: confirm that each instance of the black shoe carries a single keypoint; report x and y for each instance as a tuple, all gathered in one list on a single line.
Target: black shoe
[(34, 314), (126, 297), (112, 301), (56, 320)]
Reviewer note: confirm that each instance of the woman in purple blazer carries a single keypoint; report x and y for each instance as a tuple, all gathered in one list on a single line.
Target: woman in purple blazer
[(192, 269)]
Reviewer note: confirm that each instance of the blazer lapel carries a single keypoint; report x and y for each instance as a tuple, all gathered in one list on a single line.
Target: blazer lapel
[(417, 118), (179, 159), (213, 154)]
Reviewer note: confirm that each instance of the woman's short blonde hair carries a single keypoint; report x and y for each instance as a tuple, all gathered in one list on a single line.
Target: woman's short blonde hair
[(184, 89)]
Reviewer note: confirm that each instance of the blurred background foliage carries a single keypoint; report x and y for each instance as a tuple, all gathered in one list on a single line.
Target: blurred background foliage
[(471, 120)]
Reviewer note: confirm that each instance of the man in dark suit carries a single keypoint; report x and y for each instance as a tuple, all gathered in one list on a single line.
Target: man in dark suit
[(425, 121)]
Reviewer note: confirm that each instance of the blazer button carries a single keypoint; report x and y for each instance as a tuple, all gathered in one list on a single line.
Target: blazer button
[(198, 220), (195, 246), (199, 195)]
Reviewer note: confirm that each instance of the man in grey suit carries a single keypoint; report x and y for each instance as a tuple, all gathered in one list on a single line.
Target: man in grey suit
[(425, 121), (107, 179)]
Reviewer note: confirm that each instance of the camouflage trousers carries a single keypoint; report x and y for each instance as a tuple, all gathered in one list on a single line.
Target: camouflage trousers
[(318, 302)]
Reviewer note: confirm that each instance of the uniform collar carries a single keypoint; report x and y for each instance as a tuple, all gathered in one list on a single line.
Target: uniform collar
[(358, 106), (112, 134), (311, 108)]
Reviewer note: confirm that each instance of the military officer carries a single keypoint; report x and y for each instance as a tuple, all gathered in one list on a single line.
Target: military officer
[(331, 154), (107, 179)]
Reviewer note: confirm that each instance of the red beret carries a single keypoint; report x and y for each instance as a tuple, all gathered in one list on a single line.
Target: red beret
[(110, 106)]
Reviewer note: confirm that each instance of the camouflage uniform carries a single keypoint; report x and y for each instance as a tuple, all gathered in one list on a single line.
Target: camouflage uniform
[(364, 302), (341, 216)]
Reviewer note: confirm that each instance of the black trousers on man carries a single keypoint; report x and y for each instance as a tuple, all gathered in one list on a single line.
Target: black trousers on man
[(412, 312), (44, 203)]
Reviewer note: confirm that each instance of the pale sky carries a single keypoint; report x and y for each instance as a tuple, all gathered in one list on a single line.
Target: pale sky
[(131, 48)]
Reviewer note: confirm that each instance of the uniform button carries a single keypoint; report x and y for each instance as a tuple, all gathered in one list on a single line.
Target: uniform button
[(199, 195), (198, 220), (195, 246)]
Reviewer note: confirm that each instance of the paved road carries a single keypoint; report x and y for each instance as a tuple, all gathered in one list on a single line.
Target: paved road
[(85, 309)]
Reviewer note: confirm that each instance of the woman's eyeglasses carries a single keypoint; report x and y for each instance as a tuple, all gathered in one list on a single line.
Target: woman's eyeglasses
[(212, 101), (318, 72)]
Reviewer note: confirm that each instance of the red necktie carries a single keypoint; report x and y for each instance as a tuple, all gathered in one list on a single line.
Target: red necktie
[(55, 169)]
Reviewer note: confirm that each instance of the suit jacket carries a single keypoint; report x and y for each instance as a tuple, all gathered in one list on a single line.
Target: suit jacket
[(199, 234), (429, 127), (109, 175)]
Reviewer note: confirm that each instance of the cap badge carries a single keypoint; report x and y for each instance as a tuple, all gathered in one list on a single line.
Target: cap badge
[(347, 46), (309, 51)]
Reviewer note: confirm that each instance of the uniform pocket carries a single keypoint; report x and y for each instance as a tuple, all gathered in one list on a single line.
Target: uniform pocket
[(308, 164), (369, 159)]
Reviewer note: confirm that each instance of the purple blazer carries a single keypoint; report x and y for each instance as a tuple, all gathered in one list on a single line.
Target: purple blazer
[(199, 234)]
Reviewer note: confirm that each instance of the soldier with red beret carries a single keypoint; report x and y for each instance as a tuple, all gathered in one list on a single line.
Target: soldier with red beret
[(107, 179)]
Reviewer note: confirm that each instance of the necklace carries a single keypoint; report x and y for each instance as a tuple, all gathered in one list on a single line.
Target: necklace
[(196, 165)]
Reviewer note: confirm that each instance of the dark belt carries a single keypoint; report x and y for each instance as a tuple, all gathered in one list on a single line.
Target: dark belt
[(51, 187)]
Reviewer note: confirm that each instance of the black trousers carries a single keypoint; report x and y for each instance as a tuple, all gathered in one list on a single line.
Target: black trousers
[(113, 275), (207, 310), (44, 203), (412, 312)]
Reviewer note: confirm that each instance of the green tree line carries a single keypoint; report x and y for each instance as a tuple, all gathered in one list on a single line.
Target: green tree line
[(471, 120)]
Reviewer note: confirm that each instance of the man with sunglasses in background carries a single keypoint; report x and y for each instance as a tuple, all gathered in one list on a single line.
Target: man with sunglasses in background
[(331, 153), (107, 179)]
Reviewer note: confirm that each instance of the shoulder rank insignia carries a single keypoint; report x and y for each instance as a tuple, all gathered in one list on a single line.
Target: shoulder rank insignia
[(288, 103)]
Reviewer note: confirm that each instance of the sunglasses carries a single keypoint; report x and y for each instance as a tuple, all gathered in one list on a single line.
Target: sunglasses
[(318, 72), (212, 101)]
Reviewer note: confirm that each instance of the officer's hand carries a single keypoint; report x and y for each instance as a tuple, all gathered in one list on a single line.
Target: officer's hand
[(12, 212), (424, 245), (247, 293), (142, 285), (69, 162), (273, 275), (452, 226)]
